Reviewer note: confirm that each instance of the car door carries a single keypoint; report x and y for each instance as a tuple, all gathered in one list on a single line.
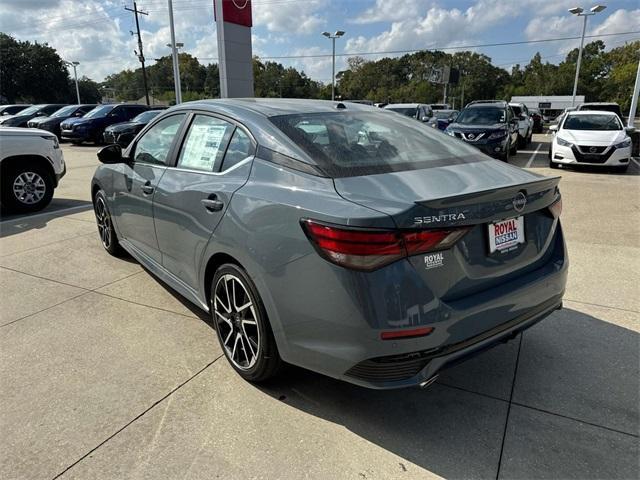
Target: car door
[(136, 186), (513, 125), (191, 198)]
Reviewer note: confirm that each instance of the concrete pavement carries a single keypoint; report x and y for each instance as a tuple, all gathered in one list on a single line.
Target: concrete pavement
[(105, 373)]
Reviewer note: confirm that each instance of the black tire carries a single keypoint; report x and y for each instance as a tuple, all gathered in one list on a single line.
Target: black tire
[(513, 149), (239, 326), (522, 141), (553, 164), (106, 232), (76, 142), (26, 187)]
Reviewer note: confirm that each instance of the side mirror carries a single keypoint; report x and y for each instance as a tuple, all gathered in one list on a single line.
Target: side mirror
[(629, 130), (78, 114), (111, 154), (553, 128), (424, 119)]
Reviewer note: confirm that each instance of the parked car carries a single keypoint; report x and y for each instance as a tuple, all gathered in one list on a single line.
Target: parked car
[(91, 126), (442, 118), (525, 124), (31, 165), (590, 138), (419, 111), (340, 238), (21, 118), (12, 109), (123, 133), (489, 125), (602, 106), (52, 123), (536, 120), (440, 106)]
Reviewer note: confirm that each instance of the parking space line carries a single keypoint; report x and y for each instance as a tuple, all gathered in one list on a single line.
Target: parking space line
[(138, 416), (45, 245), (533, 155)]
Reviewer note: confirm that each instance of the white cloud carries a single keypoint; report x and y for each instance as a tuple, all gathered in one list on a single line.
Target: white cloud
[(298, 17)]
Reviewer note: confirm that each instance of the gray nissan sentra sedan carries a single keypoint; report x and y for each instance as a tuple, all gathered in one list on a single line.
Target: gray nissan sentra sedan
[(342, 238)]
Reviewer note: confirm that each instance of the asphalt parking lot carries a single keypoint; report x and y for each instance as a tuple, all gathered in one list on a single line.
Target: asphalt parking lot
[(107, 374)]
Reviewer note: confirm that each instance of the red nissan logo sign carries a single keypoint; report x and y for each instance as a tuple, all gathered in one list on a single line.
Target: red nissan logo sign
[(236, 11)]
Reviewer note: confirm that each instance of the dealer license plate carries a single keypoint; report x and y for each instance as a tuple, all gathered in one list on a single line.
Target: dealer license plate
[(506, 235)]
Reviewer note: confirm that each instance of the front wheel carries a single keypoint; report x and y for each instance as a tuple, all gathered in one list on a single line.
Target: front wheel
[(107, 233), (26, 187), (242, 326)]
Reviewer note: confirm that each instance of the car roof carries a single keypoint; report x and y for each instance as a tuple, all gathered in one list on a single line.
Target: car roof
[(405, 105), (598, 103), (587, 112), (271, 107)]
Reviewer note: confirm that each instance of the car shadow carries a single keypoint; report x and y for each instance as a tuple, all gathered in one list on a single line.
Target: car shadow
[(11, 224), (455, 432)]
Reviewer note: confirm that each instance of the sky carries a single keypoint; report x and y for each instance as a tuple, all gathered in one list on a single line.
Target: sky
[(97, 33)]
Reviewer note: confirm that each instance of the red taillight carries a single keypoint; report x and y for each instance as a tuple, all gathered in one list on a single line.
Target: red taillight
[(414, 332), (556, 208), (368, 249)]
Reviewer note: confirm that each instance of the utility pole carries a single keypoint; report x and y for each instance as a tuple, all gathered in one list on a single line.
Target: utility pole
[(634, 100), (140, 54)]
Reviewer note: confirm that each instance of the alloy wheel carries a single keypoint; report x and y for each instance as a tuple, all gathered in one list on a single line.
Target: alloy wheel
[(29, 188), (104, 222), (236, 320)]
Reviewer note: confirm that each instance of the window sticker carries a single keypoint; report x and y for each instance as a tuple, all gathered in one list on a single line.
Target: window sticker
[(202, 146)]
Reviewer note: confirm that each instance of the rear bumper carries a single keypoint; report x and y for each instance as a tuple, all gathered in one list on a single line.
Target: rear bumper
[(336, 331)]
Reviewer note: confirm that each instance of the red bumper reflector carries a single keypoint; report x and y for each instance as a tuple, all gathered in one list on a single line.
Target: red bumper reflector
[(415, 332)]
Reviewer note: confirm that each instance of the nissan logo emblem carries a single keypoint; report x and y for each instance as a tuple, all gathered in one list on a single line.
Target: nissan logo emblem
[(519, 202), (471, 136), (593, 149)]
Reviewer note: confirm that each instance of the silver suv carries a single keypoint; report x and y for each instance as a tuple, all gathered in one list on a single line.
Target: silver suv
[(525, 124)]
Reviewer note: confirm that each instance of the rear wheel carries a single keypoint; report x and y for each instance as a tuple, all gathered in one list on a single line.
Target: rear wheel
[(242, 326), (107, 233), (26, 187)]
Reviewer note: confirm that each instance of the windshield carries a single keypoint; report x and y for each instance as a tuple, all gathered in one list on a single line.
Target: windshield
[(145, 116), (100, 111), (366, 143), (407, 111), (481, 116), (592, 122), (31, 110), (65, 111)]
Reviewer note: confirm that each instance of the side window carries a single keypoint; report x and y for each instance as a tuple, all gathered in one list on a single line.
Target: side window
[(205, 143), (155, 144), (240, 147)]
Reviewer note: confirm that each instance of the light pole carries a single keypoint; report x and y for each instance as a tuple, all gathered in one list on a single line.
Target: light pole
[(174, 55), (176, 69), (579, 11), (75, 74), (333, 37)]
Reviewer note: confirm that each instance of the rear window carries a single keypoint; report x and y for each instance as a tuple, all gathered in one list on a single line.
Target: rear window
[(407, 111), (366, 143)]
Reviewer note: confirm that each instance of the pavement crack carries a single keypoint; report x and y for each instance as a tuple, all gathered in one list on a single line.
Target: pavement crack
[(506, 421), (137, 417)]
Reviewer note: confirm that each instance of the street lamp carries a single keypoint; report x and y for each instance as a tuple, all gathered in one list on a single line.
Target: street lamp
[(75, 74), (333, 37), (579, 11)]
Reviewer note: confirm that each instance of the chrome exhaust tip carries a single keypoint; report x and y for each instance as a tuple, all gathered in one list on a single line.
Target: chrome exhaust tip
[(426, 383)]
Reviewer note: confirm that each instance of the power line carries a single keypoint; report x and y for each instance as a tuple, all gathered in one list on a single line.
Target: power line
[(459, 47), (140, 54)]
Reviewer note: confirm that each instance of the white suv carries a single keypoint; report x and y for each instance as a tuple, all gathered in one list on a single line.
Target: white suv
[(525, 124), (31, 165)]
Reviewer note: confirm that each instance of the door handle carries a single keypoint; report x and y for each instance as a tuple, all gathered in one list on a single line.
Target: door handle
[(147, 188), (212, 203)]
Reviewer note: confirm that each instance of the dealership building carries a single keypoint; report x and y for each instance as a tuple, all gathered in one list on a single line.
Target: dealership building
[(551, 105)]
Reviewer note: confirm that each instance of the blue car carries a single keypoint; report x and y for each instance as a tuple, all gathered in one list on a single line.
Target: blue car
[(338, 237), (90, 127)]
